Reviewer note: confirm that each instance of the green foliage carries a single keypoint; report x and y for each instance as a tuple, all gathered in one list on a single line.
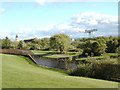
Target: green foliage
[(98, 70), (98, 45), (112, 45), (40, 44), (60, 42), (6, 43), (81, 45), (14, 45), (45, 43), (83, 70), (21, 45), (98, 48), (87, 48), (118, 50), (70, 58), (106, 71), (32, 46), (95, 48), (35, 44)]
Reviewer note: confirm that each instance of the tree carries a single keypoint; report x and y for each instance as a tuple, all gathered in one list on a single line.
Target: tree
[(98, 48), (112, 45), (95, 48), (118, 50), (6, 43), (60, 42), (14, 44), (87, 48), (21, 45), (45, 43), (35, 44)]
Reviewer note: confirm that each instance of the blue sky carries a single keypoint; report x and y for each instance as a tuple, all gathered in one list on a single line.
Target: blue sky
[(36, 19)]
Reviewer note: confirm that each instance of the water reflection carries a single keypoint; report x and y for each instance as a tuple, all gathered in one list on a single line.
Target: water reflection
[(56, 63)]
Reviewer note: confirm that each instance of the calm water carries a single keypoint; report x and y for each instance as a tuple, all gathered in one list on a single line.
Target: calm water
[(55, 63)]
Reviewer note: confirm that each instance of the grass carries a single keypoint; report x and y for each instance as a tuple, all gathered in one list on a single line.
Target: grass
[(49, 54), (0, 72), (42, 52), (52, 56), (104, 56), (54, 52), (19, 72)]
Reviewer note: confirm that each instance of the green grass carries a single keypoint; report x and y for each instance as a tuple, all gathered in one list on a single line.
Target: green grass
[(42, 52), (52, 56), (19, 72), (0, 72), (105, 56), (55, 52)]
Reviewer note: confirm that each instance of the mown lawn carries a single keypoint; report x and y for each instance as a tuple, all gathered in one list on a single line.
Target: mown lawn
[(19, 72), (54, 52), (0, 71), (106, 56), (42, 52)]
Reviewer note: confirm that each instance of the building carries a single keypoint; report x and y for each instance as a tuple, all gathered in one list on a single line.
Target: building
[(16, 38), (29, 40)]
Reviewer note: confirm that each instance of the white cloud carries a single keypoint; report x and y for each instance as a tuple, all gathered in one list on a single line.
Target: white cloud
[(2, 10), (106, 24), (105, 21), (41, 2), (49, 27), (93, 22), (63, 27), (89, 20), (7, 34), (93, 18), (3, 34), (25, 30)]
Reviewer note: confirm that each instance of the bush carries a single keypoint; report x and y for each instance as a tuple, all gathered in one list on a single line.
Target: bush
[(114, 56), (75, 50), (82, 70), (70, 58), (98, 70), (106, 71)]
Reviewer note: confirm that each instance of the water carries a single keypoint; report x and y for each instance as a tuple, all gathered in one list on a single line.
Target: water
[(56, 63)]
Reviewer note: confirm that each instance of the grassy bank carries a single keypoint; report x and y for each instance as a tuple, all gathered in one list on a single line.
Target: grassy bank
[(55, 53), (0, 72), (19, 72)]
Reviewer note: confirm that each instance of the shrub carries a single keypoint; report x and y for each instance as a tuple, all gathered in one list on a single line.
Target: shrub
[(106, 71), (82, 70), (70, 58), (98, 70)]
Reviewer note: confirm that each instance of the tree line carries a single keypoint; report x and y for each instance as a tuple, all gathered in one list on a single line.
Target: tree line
[(61, 42)]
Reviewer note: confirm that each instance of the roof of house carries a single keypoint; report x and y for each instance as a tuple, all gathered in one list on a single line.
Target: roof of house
[(29, 39)]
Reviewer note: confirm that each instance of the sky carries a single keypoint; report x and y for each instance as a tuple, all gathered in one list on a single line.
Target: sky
[(41, 18)]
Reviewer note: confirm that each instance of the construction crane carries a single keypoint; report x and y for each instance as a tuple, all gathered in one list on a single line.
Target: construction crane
[(88, 31)]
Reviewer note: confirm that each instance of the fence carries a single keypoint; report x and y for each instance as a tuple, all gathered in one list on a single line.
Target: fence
[(16, 51)]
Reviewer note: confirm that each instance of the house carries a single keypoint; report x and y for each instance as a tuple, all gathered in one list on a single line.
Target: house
[(29, 40)]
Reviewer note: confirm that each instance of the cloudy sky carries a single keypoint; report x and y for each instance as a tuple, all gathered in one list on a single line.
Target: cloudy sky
[(41, 18)]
